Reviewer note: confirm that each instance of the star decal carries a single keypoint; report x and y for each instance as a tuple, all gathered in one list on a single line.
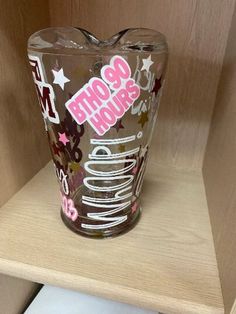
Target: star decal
[(157, 86), (143, 151), (56, 150), (122, 148), (118, 126), (63, 138), (147, 63), (143, 119), (60, 78), (74, 166)]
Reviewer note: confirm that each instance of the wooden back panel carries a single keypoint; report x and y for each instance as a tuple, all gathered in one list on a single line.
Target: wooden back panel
[(22, 140), (220, 172), (196, 32), (23, 146)]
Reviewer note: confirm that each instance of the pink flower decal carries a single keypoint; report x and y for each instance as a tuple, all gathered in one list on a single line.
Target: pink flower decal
[(68, 208)]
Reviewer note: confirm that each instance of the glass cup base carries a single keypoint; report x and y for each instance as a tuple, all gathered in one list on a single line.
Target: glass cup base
[(105, 233)]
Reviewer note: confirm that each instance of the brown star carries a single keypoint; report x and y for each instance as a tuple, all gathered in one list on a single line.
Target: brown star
[(118, 125), (157, 86), (143, 119)]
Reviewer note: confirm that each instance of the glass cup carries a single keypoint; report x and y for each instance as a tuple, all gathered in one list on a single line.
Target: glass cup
[(99, 102)]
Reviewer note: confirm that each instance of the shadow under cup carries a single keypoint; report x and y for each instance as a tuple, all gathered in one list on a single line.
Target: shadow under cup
[(99, 102)]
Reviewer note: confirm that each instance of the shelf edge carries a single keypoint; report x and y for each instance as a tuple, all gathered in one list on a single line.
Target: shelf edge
[(102, 289)]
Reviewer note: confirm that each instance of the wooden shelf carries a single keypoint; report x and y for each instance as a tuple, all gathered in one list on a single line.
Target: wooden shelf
[(166, 263)]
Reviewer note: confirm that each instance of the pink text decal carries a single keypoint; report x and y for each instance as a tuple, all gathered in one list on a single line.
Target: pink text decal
[(68, 208), (101, 102)]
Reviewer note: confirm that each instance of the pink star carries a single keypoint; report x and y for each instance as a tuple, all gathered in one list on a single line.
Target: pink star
[(63, 138), (134, 208)]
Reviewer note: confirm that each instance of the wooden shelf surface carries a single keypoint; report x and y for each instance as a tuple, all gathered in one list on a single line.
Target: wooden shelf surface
[(166, 263)]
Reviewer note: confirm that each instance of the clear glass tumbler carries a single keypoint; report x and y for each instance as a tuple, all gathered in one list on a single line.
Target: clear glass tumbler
[(99, 102)]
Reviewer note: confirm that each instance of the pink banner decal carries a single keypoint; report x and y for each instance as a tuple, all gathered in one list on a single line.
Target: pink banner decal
[(101, 102)]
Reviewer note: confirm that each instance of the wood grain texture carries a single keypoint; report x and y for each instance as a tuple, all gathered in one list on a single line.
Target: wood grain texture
[(196, 31), (166, 263), (233, 311), (23, 143), (220, 172), (15, 294)]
